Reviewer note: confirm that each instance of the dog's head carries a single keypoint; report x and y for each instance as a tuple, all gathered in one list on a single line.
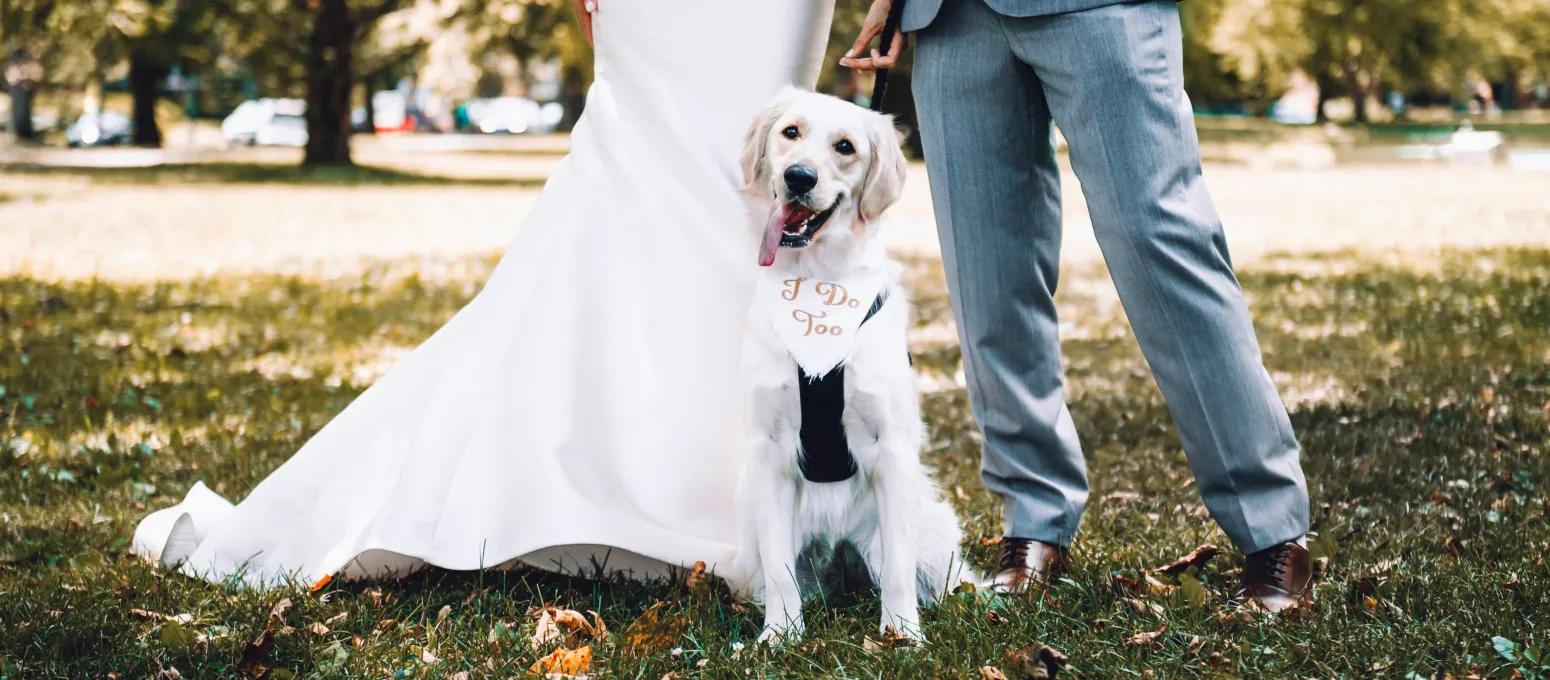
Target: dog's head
[(825, 167)]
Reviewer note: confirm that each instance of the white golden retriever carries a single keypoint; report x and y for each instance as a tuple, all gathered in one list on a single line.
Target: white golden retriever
[(836, 430)]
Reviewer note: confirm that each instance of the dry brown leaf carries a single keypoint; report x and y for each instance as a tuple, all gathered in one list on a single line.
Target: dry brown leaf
[(317, 629), (890, 639), (696, 580), (1196, 558), (377, 597), (1037, 661), (570, 620), (546, 633), (180, 619), (1121, 497), (256, 654), (656, 629), (337, 618), (460, 675), (1147, 639), (990, 540), (1124, 585), (599, 629), (1453, 546), (564, 662), (991, 673), (1156, 588)]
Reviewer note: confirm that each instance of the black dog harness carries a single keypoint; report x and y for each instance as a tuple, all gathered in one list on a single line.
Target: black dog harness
[(826, 455)]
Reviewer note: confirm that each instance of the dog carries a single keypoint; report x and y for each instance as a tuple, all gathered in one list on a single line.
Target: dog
[(836, 429)]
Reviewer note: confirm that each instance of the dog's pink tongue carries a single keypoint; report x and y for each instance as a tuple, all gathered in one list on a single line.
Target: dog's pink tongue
[(772, 230)]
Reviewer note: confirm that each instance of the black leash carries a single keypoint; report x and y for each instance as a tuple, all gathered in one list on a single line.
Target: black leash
[(890, 28)]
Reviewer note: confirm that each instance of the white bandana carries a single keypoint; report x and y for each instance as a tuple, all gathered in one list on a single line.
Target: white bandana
[(817, 320)]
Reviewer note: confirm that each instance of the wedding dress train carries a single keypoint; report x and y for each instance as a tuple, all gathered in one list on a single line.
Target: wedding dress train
[(582, 407)]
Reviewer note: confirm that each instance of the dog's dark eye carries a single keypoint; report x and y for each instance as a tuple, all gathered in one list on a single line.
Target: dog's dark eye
[(791, 132), (844, 147)]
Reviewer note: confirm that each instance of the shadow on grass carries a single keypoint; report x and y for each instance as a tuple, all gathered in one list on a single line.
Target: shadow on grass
[(265, 173), (1427, 464)]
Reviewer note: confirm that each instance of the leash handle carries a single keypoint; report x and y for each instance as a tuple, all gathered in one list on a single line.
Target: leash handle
[(890, 29)]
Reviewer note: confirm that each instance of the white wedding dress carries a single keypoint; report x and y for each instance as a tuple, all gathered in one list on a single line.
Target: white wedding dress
[(583, 408)]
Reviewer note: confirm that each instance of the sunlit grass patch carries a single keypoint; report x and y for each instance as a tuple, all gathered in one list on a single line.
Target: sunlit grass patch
[(1426, 454)]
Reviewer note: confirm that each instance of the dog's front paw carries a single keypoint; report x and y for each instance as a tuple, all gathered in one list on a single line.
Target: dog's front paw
[(901, 630), (776, 635)]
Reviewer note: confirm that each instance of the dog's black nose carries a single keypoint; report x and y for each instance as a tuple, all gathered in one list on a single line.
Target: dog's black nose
[(800, 179)]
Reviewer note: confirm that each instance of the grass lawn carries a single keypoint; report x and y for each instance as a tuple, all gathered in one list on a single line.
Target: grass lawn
[(1414, 355)]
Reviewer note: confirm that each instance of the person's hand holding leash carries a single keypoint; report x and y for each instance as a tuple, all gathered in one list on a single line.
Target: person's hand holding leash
[(871, 27), (584, 11)]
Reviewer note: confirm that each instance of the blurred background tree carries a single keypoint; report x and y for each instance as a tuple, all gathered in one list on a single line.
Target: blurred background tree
[(1241, 56)]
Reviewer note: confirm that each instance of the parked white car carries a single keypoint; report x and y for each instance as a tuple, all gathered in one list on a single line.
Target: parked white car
[(267, 122), (513, 115), (99, 129)]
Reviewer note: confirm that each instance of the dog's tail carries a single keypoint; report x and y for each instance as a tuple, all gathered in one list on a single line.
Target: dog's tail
[(941, 566)]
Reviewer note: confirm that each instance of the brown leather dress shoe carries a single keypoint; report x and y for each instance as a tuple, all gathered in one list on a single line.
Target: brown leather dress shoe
[(1026, 563), (1278, 577)]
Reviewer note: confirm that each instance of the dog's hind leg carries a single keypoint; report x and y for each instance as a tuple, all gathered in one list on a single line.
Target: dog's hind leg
[(941, 564)]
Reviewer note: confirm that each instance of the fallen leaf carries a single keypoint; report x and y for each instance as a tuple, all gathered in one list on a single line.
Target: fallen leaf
[(256, 653), (377, 597), (1156, 588), (599, 629), (991, 673), (1147, 639), (1453, 546), (990, 540), (696, 581), (177, 637), (337, 618), (564, 662), (1121, 497), (1196, 558), (1194, 592), (317, 629), (655, 630), (546, 632), (322, 583), (890, 639), (1036, 662)]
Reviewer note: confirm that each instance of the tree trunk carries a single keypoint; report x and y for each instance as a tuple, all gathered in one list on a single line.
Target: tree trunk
[(1357, 91), (329, 83), (145, 77), (22, 74), (371, 106), (573, 95)]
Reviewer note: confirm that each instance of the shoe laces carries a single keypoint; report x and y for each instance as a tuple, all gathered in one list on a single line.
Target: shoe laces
[(1269, 565), (1014, 552)]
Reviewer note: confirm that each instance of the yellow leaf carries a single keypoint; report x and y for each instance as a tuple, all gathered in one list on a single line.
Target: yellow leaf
[(564, 662)]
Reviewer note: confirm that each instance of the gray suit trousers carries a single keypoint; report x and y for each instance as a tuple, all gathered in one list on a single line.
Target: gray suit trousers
[(987, 87)]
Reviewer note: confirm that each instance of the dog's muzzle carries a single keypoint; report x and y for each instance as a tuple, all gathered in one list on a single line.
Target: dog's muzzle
[(792, 224)]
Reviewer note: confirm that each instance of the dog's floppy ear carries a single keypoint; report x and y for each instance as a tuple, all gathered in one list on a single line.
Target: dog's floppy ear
[(757, 142), (884, 181)]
